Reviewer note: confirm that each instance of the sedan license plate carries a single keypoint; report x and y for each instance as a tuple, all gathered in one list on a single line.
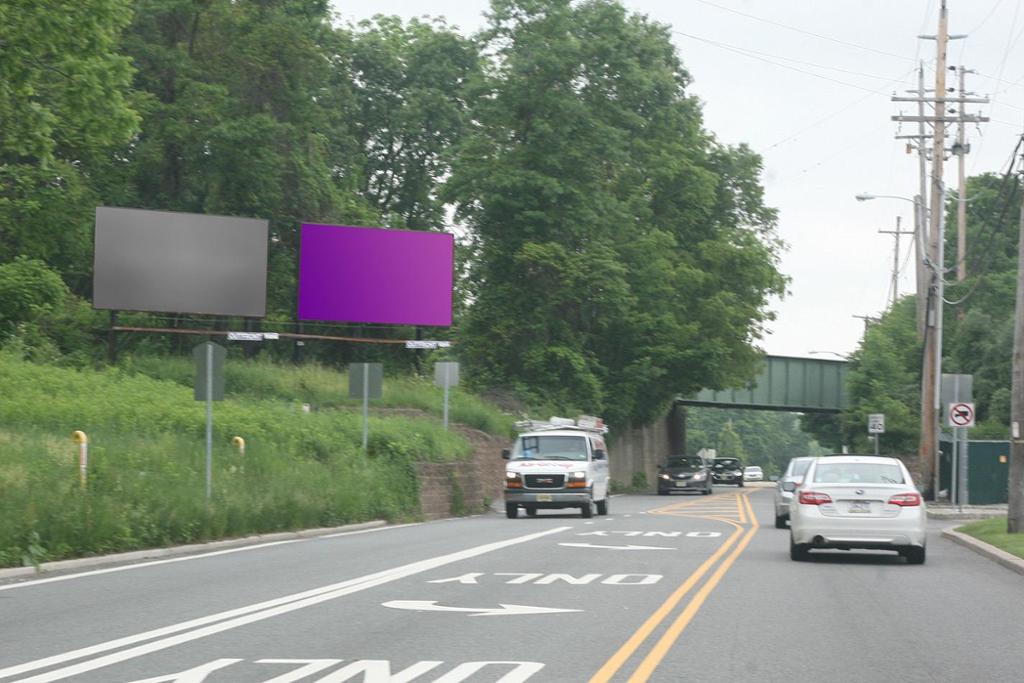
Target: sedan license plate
[(543, 497), (860, 506), (681, 484)]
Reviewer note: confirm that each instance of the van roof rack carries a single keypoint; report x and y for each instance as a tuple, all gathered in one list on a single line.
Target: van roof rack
[(587, 423)]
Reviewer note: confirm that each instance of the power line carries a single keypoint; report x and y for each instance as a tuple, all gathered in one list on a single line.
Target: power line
[(851, 105), (787, 59), (804, 31), (750, 54), (988, 16)]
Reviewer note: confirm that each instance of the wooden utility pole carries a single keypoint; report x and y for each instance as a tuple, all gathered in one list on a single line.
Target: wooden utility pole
[(1015, 516), (928, 448), (935, 217), (961, 202), (868, 321), (896, 258)]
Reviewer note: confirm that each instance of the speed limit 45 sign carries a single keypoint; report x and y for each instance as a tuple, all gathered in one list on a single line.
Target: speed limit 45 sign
[(960, 415)]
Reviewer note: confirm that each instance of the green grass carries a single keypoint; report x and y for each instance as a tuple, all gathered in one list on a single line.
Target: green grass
[(324, 387), (146, 466), (993, 532)]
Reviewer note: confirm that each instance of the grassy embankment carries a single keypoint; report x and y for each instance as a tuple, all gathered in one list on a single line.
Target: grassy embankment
[(993, 532), (146, 454)]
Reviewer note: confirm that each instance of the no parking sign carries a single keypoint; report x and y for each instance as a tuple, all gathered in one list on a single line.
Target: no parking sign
[(960, 415)]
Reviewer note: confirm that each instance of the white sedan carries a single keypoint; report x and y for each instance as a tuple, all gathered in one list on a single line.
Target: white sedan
[(753, 473), (857, 501)]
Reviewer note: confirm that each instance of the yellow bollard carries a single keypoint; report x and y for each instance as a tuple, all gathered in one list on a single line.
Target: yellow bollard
[(82, 440), (239, 442)]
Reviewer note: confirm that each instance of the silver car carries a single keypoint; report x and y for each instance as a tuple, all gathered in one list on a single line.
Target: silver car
[(794, 475)]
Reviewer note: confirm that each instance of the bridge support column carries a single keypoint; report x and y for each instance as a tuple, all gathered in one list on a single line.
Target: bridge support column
[(676, 424)]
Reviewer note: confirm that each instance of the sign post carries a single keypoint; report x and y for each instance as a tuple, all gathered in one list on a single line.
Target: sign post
[(876, 426), (209, 387), (960, 416), (365, 381), (446, 375)]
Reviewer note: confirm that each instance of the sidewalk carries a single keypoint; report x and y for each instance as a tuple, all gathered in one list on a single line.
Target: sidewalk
[(944, 511)]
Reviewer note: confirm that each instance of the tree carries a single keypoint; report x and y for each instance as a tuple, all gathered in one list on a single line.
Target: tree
[(408, 87), (246, 117), (65, 102), (730, 445), (624, 256)]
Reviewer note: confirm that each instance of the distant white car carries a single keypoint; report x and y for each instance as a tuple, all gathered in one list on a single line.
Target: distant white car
[(753, 473), (857, 501)]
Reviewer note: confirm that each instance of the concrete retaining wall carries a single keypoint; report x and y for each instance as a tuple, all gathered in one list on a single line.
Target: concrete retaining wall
[(640, 450)]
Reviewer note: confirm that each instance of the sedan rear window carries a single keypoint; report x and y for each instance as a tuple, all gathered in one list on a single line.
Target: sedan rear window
[(798, 468), (858, 473)]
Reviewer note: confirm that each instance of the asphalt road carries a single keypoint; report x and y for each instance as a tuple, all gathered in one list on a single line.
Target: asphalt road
[(690, 588)]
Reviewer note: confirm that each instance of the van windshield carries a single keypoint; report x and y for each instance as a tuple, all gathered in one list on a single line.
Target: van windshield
[(550, 448)]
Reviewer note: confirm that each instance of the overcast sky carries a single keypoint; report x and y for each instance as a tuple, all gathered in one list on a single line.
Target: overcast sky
[(817, 108)]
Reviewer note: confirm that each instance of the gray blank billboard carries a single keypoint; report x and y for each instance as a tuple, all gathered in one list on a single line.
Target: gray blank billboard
[(180, 262)]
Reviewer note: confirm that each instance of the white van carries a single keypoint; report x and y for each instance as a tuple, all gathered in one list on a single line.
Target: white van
[(562, 463)]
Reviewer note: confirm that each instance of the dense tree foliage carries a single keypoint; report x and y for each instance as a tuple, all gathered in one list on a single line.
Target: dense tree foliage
[(764, 438), (613, 253), (624, 255), (64, 104)]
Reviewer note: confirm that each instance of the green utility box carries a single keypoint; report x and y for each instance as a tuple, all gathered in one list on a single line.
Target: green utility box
[(988, 470)]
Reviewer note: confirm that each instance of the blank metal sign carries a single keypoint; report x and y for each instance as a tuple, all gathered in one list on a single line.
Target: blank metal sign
[(180, 262)]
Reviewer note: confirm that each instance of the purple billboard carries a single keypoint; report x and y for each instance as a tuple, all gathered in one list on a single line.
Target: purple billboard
[(375, 275)]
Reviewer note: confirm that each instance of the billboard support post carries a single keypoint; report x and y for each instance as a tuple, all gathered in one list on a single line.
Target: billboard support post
[(209, 420), (366, 405)]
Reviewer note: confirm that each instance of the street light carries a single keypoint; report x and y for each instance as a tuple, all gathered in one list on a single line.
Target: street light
[(867, 196)]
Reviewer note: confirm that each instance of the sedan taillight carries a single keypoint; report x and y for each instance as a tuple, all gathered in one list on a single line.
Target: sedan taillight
[(814, 498), (906, 500)]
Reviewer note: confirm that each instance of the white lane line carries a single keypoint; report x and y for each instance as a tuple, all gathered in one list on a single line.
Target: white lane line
[(205, 626), (186, 558)]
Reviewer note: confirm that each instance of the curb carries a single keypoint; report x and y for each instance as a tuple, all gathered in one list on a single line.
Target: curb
[(1011, 562), (174, 551), (963, 516)]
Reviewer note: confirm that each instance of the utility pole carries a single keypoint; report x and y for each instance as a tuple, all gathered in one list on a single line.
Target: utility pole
[(868, 319), (921, 200), (961, 149), (928, 448), (1015, 515), (896, 258), (961, 204), (932, 356)]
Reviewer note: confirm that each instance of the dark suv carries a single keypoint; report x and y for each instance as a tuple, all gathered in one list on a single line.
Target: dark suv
[(683, 473), (727, 471)]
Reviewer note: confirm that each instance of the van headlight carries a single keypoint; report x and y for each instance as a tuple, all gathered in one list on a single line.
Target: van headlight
[(577, 480), (513, 480)]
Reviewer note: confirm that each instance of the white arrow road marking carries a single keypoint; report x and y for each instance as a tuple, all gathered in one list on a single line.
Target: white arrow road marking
[(500, 611), (617, 547), (194, 629)]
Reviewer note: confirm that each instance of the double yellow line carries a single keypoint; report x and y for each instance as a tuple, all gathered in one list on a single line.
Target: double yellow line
[(654, 657)]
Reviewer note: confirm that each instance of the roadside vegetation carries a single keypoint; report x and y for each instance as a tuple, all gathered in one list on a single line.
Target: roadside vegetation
[(146, 456), (993, 531)]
